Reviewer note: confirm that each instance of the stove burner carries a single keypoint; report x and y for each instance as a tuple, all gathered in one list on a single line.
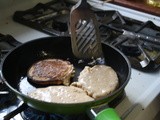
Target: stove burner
[(130, 48), (60, 26), (51, 18)]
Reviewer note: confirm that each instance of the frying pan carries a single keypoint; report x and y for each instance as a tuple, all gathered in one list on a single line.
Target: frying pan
[(17, 62)]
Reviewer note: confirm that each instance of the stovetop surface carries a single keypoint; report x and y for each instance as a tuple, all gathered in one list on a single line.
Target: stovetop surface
[(146, 83)]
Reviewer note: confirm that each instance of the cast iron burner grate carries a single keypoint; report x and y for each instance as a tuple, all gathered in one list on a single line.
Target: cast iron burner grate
[(7, 43), (51, 18), (139, 41), (8, 100)]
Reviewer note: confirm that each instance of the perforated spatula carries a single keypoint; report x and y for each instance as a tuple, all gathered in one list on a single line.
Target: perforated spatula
[(85, 36)]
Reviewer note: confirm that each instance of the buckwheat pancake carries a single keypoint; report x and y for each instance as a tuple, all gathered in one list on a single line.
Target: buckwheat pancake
[(61, 94), (51, 71), (98, 81)]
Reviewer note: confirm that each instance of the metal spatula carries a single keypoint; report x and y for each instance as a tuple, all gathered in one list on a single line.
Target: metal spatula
[(85, 36)]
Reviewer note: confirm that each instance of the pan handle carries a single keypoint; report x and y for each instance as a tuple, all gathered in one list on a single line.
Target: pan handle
[(105, 114)]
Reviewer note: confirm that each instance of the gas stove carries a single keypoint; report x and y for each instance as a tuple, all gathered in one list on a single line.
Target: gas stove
[(138, 40), (141, 100)]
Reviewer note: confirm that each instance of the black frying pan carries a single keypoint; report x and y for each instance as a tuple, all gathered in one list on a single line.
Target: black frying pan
[(17, 62)]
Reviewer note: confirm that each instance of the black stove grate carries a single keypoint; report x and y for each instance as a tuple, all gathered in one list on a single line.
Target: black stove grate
[(51, 18), (139, 41), (8, 100)]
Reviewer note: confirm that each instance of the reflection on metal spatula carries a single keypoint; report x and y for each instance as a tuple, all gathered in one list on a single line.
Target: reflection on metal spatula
[(85, 36)]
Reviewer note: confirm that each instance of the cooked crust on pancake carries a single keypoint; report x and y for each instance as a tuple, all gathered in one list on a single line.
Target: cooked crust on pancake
[(98, 81), (51, 71), (60, 94)]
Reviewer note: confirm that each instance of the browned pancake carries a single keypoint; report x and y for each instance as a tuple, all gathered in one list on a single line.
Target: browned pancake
[(51, 71)]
